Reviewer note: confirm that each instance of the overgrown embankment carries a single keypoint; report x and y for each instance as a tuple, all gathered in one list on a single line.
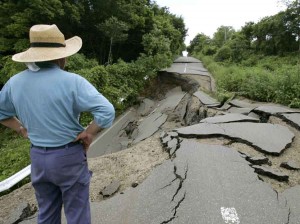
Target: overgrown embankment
[(260, 78)]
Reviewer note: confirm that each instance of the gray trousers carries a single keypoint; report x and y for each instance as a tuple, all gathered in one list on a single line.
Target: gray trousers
[(60, 176)]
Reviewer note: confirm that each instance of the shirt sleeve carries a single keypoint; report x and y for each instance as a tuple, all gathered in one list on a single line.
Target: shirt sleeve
[(89, 99), (7, 108)]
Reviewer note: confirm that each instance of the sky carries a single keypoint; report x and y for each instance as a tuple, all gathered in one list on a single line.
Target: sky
[(205, 16)]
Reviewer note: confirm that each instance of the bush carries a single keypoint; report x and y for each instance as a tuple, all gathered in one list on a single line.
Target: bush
[(224, 53), (273, 79), (14, 153), (209, 50)]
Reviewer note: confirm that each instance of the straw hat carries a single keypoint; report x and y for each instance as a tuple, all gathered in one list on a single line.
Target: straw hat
[(48, 43)]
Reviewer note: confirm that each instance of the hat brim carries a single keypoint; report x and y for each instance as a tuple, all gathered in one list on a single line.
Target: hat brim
[(38, 54)]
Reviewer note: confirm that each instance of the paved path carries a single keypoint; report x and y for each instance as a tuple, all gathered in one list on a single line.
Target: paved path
[(189, 66)]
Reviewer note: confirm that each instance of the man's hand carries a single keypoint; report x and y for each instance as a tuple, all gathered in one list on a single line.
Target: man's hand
[(86, 139), (16, 125), (88, 135), (23, 132)]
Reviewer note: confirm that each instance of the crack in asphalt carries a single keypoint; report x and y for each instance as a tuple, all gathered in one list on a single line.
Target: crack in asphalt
[(288, 221), (181, 179), (277, 195), (168, 185), (173, 155), (175, 210)]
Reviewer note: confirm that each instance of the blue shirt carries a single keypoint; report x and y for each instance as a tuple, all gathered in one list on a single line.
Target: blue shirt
[(49, 103)]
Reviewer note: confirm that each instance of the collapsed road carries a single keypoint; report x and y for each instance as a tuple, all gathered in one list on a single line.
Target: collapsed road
[(233, 162)]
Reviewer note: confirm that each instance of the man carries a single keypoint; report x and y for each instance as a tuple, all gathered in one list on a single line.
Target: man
[(43, 103)]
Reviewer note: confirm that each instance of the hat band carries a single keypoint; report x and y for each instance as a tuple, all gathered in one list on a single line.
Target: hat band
[(45, 44)]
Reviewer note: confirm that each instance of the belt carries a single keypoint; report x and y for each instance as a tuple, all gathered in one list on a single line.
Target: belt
[(58, 147)]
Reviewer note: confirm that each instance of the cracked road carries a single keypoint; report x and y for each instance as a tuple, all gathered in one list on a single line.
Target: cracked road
[(202, 184), (205, 183)]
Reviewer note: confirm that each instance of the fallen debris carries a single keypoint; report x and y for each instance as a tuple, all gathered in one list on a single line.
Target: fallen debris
[(149, 126), (292, 119), (229, 118), (258, 160), (273, 109), (291, 165), (242, 104), (206, 99), (111, 189), (238, 110), (271, 173), (22, 212), (267, 138)]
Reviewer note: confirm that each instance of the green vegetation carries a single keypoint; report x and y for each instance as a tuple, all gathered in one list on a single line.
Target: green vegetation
[(125, 43), (260, 62), (14, 150)]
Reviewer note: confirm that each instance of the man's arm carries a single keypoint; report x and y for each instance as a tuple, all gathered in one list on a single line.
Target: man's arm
[(14, 124)]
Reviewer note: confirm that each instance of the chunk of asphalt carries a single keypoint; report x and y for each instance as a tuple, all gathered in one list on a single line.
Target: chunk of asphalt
[(237, 110), (226, 106), (242, 104), (258, 160), (293, 119), (206, 99), (20, 213), (173, 98), (291, 165), (267, 138), (111, 189), (228, 118), (274, 109), (271, 173), (173, 134), (149, 126), (254, 115), (172, 143), (166, 139), (163, 134)]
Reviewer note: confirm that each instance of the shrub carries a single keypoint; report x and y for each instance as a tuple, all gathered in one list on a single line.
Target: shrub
[(224, 53)]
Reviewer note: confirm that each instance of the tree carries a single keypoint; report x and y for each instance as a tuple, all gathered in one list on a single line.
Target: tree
[(222, 35), (199, 42), (115, 30), (275, 34), (240, 47)]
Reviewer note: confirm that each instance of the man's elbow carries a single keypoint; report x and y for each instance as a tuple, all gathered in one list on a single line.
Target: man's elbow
[(108, 116)]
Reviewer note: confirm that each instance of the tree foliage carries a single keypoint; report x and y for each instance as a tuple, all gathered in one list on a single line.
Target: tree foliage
[(272, 35), (100, 23), (260, 61)]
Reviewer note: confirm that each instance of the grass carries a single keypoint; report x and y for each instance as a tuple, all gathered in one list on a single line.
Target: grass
[(267, 79), (14, 153)]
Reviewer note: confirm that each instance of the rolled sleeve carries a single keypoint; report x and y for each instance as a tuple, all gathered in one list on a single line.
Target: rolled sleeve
[(7, 108), (89, 99)]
